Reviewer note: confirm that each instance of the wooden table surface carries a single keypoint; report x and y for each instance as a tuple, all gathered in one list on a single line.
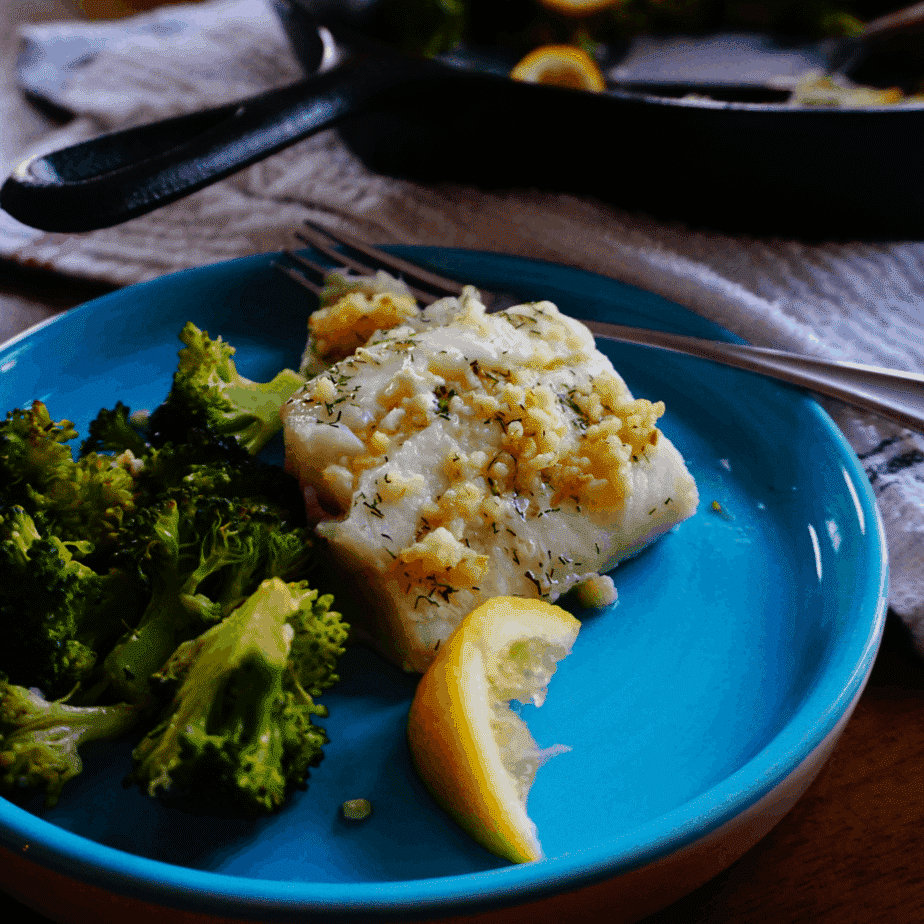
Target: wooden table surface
[(851, 850)]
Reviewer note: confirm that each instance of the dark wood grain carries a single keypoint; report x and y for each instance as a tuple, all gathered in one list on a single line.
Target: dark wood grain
[(849, 853)]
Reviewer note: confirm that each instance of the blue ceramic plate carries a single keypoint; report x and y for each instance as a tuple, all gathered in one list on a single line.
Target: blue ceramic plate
[(738, 645)]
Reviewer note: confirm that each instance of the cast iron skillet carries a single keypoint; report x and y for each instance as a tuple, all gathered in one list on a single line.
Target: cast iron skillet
[(742, 167)]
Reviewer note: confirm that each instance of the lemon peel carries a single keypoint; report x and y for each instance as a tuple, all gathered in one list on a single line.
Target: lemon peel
[(579, 8), (474, 754), (560, 66)]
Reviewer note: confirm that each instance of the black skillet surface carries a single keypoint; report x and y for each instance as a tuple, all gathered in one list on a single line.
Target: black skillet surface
[(758, 168), (746, 167)]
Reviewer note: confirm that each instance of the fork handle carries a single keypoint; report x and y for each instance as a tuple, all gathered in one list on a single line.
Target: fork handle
[(121, 175), (893, 394)]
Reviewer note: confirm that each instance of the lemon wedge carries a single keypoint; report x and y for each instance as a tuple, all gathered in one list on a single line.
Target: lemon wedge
[(578, 8), (473, 753), (560, 66)]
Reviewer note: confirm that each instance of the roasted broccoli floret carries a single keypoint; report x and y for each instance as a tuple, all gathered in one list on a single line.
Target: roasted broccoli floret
[(211, 465), (40, 739), (94, 502), (238, 728), (51, 606), (33, 453), (86, 500), (202, 557), (208, 392), (114, 431), (156, 532)]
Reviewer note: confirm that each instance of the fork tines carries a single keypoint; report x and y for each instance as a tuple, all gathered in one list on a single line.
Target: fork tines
[(424, 285)]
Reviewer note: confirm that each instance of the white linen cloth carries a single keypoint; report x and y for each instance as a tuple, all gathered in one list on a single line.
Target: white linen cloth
[(855, 301)]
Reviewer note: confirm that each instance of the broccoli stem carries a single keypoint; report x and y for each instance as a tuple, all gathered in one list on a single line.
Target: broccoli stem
[(209, 393), (259, 405), (169, 619), (40, 739), (171, 616), (198, 580)]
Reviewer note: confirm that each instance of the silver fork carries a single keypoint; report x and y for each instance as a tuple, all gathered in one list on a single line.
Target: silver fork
[(893, 394)]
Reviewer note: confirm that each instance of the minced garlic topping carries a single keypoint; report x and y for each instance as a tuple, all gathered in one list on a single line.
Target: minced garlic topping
[(579, 439), (339, 329)]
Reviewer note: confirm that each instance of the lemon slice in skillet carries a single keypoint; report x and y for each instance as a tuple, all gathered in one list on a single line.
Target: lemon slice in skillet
[(560, 66), (578, 8)]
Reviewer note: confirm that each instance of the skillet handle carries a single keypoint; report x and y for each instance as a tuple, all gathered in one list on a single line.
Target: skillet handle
[(122, 175)]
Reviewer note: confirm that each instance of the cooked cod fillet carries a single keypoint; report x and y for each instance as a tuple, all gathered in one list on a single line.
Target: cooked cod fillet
[(462, 455)]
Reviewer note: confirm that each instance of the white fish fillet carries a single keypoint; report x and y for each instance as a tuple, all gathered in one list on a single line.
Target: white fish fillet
[(464, 455)]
